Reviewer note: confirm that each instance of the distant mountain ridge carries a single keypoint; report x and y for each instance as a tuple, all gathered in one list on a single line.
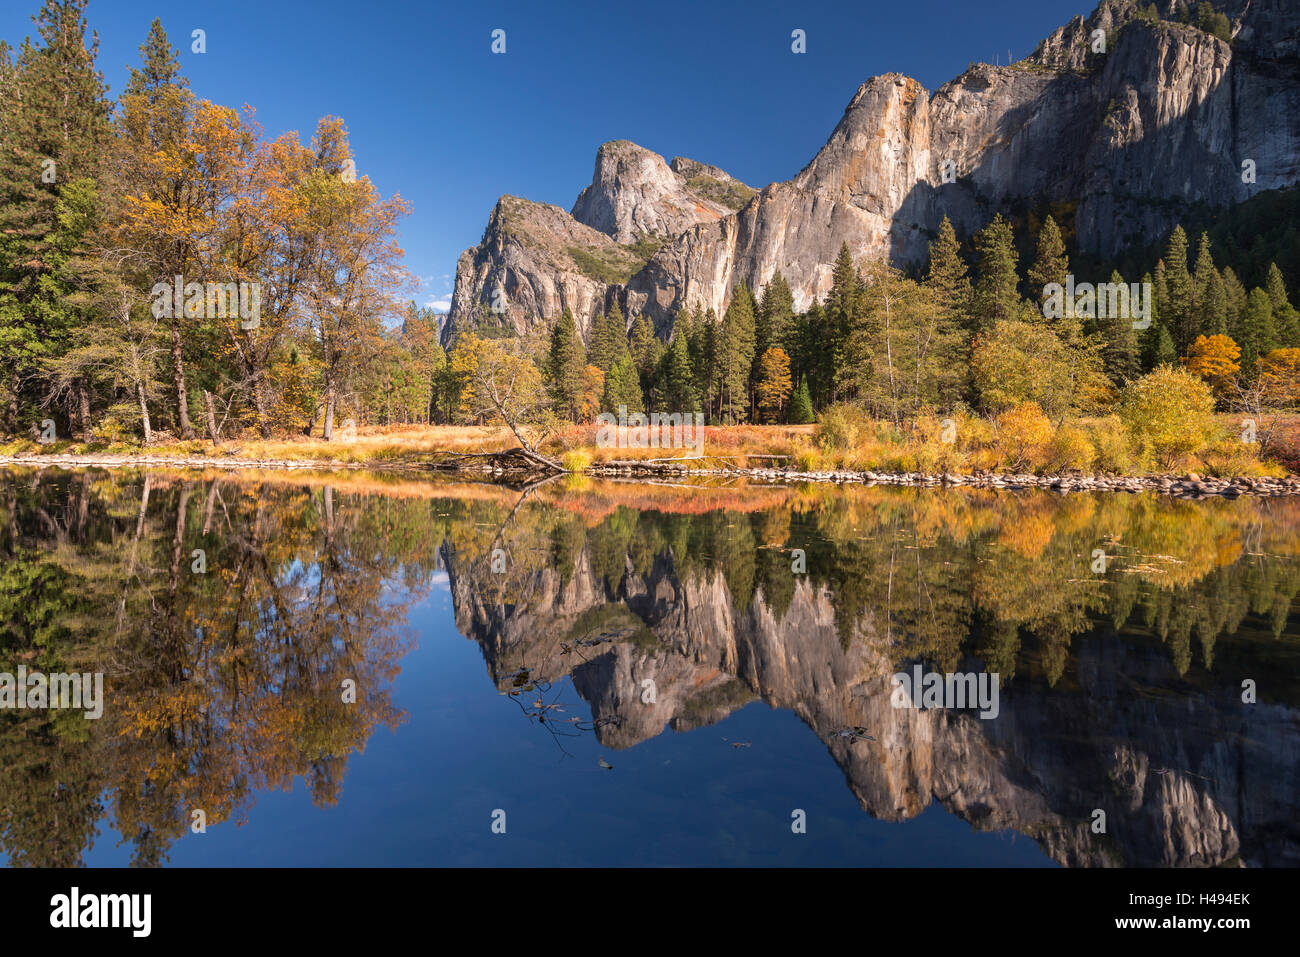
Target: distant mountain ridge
[(1163, 119)]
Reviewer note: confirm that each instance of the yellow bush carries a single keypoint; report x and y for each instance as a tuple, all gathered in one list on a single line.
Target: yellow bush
[(1110, 444), (1070, 449), (1024, 436), (576, 460), (1169, 414), (843, 427), (808, 461)]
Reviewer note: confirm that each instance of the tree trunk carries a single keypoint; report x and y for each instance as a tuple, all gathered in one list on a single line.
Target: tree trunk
[(83, 406), (144, 412), (327, 430), (212, 417), (178, 378), (259, 400)]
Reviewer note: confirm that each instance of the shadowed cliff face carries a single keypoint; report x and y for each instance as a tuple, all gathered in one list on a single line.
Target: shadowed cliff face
[(1090, 718), (1133, 137)]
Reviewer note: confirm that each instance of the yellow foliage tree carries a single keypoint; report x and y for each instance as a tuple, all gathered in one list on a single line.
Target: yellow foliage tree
[(1279, 378), (1024, 435), (774, 384), (1214, 359)]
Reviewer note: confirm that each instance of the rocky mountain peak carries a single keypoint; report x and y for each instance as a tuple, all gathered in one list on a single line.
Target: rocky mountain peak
[(1161, 121), (635, 193)]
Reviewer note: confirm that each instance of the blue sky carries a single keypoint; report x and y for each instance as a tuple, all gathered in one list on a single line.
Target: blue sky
[(434, 115)]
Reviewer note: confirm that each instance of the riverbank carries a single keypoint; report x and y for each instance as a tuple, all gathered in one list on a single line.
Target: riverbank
[(1187, 485)]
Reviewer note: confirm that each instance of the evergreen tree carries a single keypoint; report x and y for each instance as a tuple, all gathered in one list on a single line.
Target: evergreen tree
[(615, 333), (947, 277), (995, 298), (1180, 316), (801, 409), (1160, 286), (1211, 301), (566, 365), (54, 136), (600, 344), (1163, 353), (1051, 265), (949, 291), (646, 351), (676, 386), (1120, 354), (1234, 299), (775, 317), (736, 355), (839, 314), (1286, 320), (1255, 333), (622, 387)]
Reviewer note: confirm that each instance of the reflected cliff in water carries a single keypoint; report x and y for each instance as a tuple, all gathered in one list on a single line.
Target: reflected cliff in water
[(1122, 628)]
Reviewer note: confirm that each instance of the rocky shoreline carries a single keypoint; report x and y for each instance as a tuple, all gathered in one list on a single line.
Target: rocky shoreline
[(1190, 485)]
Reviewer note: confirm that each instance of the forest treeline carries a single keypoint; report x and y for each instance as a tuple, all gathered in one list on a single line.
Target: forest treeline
[(128, 224), (104, 202), (958, 336)]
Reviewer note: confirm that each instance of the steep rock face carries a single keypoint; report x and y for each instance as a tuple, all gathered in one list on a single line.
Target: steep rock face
[(1186, 778), (1162, 120), (535, 261), (634, 193)]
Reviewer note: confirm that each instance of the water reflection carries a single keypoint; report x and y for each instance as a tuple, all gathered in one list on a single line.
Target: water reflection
[(1122, 628)]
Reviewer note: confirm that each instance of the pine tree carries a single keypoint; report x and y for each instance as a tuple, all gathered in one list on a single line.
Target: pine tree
[(1120, 355), (1163, 353), (817, 361), (566, 364), (1211, 301), (675, 383), (775, 316), (736, 354), (1255, 333), (1286, 319), (947, 276), (646, 351), (1051, 265), (55, 135), (801, 409), (1180, 315), (1234, 299), (949, 290), (622, 387), (598, 343), (995, 298), (838, 316), (1160, 287), (616, 333)]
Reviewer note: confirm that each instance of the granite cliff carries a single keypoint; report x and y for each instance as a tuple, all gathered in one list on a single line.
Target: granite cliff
[(1130, 134)]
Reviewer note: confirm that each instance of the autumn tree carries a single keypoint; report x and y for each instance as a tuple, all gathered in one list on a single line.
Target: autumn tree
[(1214, 359), (773, 388)]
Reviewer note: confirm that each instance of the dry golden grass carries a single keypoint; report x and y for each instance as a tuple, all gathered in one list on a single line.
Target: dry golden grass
[(850, 441)]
